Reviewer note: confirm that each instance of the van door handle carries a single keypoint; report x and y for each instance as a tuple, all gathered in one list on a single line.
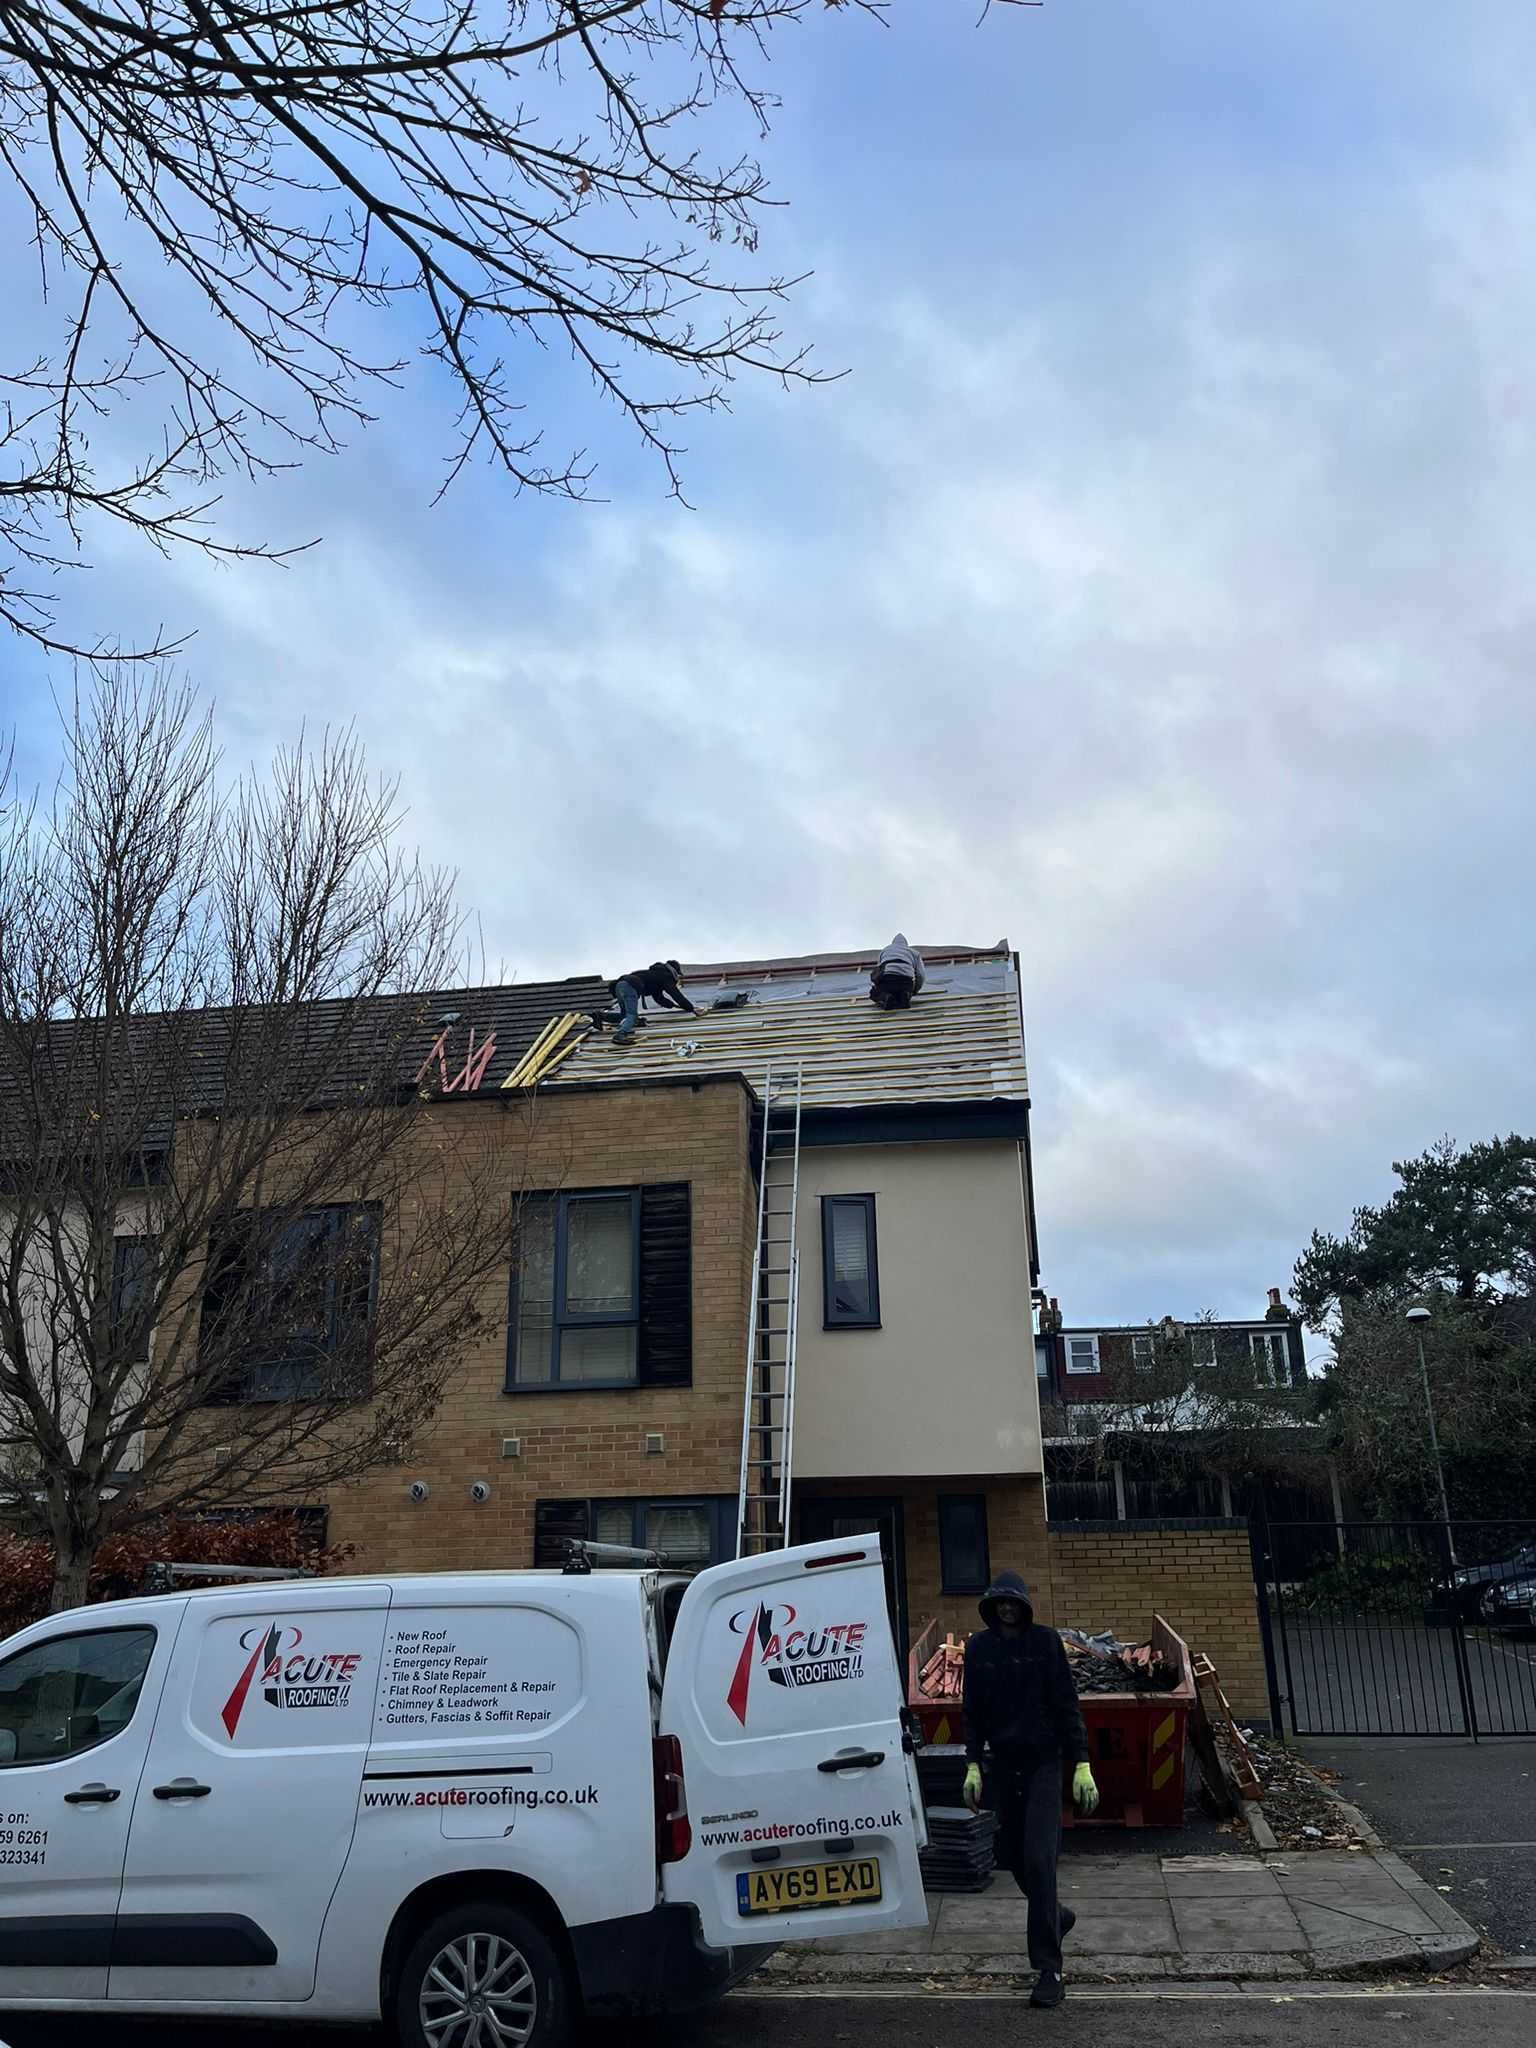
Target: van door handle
[(92, 1795), (182, 1788), (860, 1760)]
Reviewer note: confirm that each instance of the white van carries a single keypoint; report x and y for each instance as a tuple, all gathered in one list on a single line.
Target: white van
[(475, 1804)]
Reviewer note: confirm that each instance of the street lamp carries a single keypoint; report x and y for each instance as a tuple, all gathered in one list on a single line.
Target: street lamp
[(1419, 1317)]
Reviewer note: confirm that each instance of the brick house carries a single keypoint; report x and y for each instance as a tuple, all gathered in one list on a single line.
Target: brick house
[(606, 1391), (1099, 1466), (610, 1401)]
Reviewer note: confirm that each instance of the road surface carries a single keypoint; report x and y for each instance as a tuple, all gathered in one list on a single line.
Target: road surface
[(1268, 2018)]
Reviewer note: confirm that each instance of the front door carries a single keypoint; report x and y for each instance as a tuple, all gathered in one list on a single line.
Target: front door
[(247, 1809), (782, 1690), (77, 1705), (824, 1518)]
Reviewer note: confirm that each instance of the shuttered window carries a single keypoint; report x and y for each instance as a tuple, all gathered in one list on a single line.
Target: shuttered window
[(850, 1268), (691, 1533), (602, 1290)]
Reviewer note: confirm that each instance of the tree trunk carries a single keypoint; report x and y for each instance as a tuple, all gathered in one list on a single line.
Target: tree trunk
[(71, 1575)]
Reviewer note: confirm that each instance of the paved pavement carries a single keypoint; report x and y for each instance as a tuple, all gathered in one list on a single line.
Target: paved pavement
[(1462, 1814), (1174, 1917)]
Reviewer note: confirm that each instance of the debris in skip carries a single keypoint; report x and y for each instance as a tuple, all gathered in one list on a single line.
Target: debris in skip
[(1102, 1663)]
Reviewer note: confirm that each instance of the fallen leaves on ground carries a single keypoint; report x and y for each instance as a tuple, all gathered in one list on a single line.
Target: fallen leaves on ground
[(1296, 1802)]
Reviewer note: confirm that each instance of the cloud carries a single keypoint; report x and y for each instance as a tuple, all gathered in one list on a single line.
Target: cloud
[(1154, 592)]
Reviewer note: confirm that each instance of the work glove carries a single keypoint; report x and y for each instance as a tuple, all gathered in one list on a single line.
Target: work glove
[(1085, 1794), (970, 1792)]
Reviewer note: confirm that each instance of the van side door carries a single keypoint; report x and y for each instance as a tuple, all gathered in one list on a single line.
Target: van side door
[(782, 1690), (249, 1800), (78, 1695)]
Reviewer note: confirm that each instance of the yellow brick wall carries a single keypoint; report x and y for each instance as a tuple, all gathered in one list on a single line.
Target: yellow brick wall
[(578, 1443), (1016, 1535), (1199, 1580)]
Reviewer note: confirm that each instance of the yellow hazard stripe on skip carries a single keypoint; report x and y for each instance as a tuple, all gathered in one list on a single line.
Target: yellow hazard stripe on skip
[(1162, 1735)]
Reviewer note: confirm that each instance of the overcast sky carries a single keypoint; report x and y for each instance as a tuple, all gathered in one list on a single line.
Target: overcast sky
[(1155, 592)]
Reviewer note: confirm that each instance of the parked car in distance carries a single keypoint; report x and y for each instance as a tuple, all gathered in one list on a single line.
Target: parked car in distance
[(1510, 1605), (1464, 1589)]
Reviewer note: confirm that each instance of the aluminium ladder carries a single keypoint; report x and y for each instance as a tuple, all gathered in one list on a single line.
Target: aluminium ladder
[(768, 1420)]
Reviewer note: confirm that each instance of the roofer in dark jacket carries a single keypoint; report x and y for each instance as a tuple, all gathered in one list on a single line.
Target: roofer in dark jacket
[(658, 983), (1021, 1711)]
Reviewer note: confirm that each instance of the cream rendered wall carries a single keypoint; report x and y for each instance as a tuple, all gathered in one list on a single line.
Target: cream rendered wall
[(946, 1385)]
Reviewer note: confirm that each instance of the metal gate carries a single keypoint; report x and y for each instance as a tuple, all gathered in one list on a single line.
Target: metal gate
[(1399, 1628)]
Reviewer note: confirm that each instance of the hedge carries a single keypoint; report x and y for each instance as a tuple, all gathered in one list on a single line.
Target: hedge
[(26, 1563)]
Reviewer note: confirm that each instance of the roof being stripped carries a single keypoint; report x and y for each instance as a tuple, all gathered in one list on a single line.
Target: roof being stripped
[(961, 1041)]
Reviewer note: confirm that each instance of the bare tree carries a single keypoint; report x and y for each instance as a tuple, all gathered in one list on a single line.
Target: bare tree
[(220, 192), (240, 1251)]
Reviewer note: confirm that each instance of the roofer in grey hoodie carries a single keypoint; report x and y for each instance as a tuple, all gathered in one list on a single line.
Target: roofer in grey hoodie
[(1021, 1712), (898, 975)]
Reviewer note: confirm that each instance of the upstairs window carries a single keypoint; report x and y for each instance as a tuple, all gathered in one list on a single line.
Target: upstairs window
[(1202, 1348), (132, 1273), (1083, 1354), (1271, 1360), (849, 1265), (602, 1290), (1143, 1352), (288, 1305)]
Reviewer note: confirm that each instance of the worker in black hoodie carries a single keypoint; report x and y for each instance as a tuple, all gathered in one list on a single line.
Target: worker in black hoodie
[(1021, 1708)]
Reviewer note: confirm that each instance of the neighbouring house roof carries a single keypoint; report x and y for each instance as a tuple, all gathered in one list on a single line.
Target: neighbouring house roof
[(1152, 1329), (962, 1040), (174, 1065)]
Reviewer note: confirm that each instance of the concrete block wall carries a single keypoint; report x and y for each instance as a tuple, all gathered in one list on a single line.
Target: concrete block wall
[(577, 1443)]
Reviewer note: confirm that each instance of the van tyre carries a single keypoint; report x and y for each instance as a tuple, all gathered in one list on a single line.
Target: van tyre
[(483, 1976)]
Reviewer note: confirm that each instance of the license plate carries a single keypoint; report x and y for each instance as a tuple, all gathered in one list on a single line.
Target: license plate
[(808, 1887)]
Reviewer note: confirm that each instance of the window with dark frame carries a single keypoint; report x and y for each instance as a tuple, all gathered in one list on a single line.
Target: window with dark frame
[(849, 1263), (602, 1290), (965, 1564), (131, 1270), (288, 1305)]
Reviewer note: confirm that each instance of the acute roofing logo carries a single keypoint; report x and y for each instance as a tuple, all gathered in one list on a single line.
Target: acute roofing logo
[(791, 1656), (289, 1676)]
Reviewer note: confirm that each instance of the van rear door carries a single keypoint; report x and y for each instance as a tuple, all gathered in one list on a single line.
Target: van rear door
[(782, 1691)]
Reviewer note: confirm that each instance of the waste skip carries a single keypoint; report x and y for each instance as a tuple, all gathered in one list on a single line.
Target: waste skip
[(1136, 1740)]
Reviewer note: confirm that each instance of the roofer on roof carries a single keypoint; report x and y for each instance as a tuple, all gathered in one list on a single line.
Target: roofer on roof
[(1020, 1706), (898, 975), (657, 983)]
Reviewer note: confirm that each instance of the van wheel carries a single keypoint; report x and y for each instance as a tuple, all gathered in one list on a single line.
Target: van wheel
[(482, 1976)]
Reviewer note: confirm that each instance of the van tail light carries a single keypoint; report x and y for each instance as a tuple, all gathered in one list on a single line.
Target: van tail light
[(674, 1836)]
